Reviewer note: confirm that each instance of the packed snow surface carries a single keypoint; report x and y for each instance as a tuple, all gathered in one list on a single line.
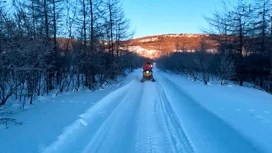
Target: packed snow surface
[(171, 115)]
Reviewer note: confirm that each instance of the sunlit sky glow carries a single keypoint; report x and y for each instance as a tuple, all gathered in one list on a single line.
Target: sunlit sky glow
[(152, 17)]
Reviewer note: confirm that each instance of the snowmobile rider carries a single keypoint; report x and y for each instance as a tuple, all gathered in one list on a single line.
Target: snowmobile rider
[(147, 72), (147, 66)]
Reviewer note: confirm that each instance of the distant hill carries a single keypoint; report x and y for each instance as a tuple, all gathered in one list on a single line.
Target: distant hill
[(158, 45)]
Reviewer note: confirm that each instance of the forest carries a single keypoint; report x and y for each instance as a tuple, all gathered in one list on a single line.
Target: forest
[(52, 46), (242, 31)]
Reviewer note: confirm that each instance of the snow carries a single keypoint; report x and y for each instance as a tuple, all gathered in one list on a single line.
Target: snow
[(46, 119), (140, 50), (246, 110), (149, 39), (206, 131), (172, 114), (150, 53)]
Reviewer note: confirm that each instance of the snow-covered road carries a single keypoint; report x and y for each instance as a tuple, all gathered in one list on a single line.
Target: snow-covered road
[(150, 117)]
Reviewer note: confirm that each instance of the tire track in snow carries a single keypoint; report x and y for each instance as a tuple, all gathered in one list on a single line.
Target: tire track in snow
[(149, 117), (151, 133), (180, 141), (204, 129), (94, 118), (119, 125)]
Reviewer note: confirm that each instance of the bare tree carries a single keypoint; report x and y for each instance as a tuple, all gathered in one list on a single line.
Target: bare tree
[(34, 60), (226, 68), (203, 61)]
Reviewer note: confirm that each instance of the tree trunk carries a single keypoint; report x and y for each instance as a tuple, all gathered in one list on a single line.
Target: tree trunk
[(92, 26), (84, 27), (46, 19)]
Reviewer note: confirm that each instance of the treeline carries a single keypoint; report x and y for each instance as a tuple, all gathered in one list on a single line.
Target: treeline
[(34, 60), (244, 52)]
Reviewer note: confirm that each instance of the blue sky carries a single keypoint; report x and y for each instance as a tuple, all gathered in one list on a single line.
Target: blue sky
[(151, 17)]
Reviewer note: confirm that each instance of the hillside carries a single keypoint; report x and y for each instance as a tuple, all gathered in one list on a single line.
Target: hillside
[(157, 45)]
